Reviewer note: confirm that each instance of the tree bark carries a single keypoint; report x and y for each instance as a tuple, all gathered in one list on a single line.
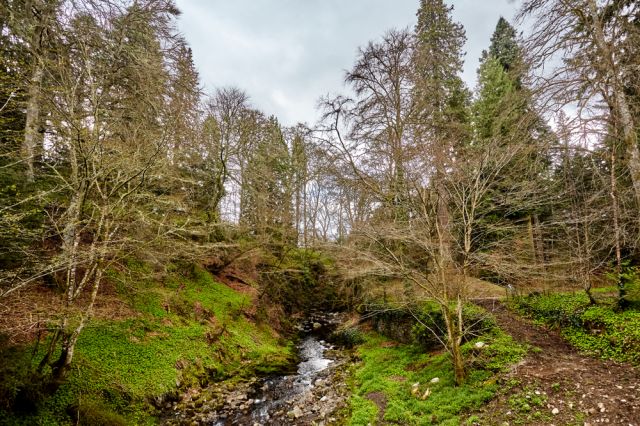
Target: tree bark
[(621, 105), (453, 322), (31, 133), (538, 240), (532, 239), (62, 365), (616, 229)]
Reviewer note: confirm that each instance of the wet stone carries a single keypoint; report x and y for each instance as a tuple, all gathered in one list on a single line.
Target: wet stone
[(309, 396)]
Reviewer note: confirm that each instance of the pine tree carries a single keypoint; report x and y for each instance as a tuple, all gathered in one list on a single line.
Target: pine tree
[(502, 103), (184, 92), (494, 111), (505, 48), (300, 179), (503, 112), (440, 92)]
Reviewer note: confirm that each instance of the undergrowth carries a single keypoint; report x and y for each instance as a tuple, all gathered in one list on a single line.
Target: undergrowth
[(602, 329), (187, 332), (392, 369)]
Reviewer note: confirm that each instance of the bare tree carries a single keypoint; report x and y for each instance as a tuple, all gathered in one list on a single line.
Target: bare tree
[(107, 104), (586, 41)]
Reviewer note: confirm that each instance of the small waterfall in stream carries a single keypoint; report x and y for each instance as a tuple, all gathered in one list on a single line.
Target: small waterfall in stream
[(272, 400)]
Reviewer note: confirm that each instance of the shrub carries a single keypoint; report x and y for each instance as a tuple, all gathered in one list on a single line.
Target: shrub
[(348, 337), (430, 320)]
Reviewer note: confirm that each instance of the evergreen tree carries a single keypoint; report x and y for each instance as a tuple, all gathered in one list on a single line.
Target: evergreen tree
[(495, 111), (184, 91), (300, 178), (501, 104), (505, 48), (441, 95), (503, 112), (267, 181)]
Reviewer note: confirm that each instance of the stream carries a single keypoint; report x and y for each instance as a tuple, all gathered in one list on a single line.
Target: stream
[(312, 395)]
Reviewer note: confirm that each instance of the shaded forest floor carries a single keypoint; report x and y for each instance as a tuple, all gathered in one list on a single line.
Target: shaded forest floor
[(555, 384)]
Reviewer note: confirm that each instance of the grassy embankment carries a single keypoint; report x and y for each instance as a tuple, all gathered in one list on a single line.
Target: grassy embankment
[(383, 380), (185, 332), (602, 330)]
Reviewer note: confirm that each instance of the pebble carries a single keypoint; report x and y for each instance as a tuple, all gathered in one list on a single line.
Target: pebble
[(555, 411)]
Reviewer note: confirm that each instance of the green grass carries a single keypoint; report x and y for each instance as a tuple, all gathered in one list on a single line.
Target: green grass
[(602, 330), (121, 365), (392, 369)]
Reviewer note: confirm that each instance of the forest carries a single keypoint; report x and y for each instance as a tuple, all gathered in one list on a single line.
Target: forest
[(426, 252)]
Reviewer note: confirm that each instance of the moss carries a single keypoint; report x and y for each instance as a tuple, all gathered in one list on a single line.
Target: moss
[(393, 368), (92, 413), (120, 366)]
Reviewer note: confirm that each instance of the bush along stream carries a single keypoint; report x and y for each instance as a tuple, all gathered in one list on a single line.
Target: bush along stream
[(312, 392)]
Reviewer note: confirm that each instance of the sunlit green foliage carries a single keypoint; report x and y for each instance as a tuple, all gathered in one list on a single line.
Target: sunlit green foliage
[(392, 369)]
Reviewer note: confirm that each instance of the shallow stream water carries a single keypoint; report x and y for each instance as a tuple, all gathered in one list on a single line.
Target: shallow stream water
[(280, 400)]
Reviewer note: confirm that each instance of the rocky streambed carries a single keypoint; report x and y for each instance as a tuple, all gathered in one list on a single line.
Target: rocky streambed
[(313, 395)]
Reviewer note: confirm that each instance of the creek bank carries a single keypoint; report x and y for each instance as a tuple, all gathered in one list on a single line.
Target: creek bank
[(312, 392)]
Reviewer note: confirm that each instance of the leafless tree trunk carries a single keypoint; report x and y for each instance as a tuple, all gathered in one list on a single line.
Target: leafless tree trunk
[(32, 139)]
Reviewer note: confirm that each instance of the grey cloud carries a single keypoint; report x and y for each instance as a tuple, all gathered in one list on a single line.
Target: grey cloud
[(287, 53)]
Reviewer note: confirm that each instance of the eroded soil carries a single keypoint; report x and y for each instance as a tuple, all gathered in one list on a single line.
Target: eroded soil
[(556, 385)]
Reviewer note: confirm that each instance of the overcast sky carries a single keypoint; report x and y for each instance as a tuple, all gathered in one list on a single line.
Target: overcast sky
[(287, 53)]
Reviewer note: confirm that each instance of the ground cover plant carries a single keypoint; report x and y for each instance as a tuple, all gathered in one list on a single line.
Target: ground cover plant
[(404, 384), (185, 333), (602, 329)]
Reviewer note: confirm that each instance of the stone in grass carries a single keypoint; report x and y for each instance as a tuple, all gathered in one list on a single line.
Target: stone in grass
[(480, 345), (555, 411), (435, 380), (415, 388)]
